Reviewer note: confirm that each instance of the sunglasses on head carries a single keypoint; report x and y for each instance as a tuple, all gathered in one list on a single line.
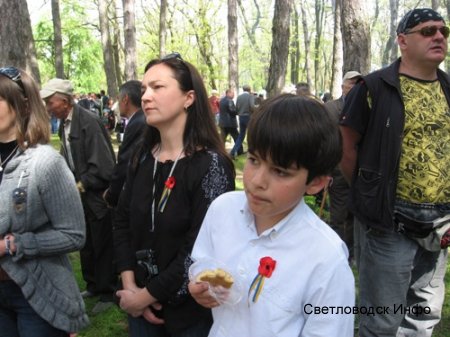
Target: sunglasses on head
[(431, 31), (171, 56), (14, 75)]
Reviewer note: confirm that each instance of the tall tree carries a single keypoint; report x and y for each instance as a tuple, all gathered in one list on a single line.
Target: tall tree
[(337, 60), (233, 46), (356, 36), (306, 40), (280, 47), (391, 51), (129, 32), (162, 27), (59, 60), (319, 14), (251, 30), (295, 46), (17, 38), (200, 23), (108, 61), (116, 44)]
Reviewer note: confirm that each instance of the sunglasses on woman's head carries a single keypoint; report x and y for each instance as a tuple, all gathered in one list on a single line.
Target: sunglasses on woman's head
[(14, 75), (431, 31), (174, 55)]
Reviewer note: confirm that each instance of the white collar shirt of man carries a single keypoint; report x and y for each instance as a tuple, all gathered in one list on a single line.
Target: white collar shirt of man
[(311, 271)]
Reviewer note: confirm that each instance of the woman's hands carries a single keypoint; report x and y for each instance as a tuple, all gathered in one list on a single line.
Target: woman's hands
[(137, 301)]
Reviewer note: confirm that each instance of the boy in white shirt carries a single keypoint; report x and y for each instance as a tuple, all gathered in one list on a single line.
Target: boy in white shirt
[(293, 267)]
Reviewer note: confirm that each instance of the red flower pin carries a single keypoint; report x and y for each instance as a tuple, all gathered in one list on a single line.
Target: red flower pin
[(266, 266), (170, 182)]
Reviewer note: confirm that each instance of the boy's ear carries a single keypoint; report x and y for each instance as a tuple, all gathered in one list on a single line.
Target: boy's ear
[(317, 184)]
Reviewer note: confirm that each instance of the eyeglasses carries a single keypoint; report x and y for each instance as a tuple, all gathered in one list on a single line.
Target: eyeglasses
[(14, 75), (431, 31)]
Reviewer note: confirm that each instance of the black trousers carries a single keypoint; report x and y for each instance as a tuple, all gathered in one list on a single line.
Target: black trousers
[(341, 219), (97, 256)]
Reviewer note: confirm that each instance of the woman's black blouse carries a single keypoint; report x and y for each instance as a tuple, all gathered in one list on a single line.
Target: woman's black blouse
[(199, 179)]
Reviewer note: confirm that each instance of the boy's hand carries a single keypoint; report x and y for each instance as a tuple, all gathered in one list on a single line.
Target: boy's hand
[(200, 292)]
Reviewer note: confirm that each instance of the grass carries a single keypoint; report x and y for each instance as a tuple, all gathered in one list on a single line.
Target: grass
[(113, 322)]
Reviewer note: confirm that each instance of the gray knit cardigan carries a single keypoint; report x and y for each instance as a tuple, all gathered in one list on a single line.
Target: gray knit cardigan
[(40, 205)]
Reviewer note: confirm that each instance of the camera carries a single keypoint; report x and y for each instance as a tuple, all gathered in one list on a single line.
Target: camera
[(146, 266)]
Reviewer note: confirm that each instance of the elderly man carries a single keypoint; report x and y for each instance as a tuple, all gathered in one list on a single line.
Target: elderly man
[(396, 132), (86, 146)]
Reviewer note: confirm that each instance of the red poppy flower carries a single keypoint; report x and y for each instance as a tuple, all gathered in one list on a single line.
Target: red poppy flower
[(170, 182), (266, 266)]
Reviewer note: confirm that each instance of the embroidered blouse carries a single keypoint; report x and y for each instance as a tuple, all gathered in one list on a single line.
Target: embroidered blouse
[(200, 178)]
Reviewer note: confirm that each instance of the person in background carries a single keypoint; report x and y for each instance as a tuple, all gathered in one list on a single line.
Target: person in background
[(178, 170), (396, 131), (41, 220), (86, 146), (341, 219), (227, 117), (214, 102), (245, 105), (287, 259), (130, 108)]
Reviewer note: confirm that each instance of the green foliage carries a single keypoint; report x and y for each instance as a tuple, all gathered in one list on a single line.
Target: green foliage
[(82, 53)]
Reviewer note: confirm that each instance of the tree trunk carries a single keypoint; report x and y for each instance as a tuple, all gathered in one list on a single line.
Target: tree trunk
[(108, 61), (59, 63), (115, 41), (391, 51), (356, 36), (337, 61), (17, 38), (435, 4), (280, 47), (162, 28), (129, 32), (307, 41), (319, 13), (233, 46), (251, 31), (295, 47)]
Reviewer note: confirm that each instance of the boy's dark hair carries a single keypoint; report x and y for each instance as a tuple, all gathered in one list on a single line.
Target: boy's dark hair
[(290, 129), (133, 90)]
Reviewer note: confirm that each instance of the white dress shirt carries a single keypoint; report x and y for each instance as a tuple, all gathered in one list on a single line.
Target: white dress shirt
[(311, 271)]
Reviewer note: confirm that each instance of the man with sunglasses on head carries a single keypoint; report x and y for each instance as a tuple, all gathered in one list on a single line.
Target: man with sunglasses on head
[(396, 135)]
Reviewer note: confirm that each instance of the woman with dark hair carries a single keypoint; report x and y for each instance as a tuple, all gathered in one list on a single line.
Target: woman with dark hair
[(179, 169), (41, 219)]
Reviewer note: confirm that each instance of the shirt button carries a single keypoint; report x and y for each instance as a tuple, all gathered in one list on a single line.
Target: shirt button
[(273, 235)]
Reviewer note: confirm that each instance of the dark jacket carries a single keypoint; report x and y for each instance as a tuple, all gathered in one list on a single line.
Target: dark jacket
[(227, 116), (132, 135), (93, 157), (374, 180)]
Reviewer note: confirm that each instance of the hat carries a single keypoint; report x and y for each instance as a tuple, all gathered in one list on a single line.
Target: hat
[(57, 85), (351, 74), (416, 16), (214, 92)]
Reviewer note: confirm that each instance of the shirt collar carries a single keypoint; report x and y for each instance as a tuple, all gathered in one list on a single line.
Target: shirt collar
[(278, 228)]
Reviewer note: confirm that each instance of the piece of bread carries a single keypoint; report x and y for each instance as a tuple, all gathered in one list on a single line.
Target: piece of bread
[(217, 277)]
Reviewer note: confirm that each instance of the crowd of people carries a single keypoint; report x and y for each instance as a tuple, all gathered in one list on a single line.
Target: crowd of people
[(142, 220)]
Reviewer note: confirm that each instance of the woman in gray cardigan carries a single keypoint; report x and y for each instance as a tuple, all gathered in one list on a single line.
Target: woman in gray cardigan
[(41, 220)]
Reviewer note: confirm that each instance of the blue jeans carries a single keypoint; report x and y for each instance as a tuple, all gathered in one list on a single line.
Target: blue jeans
[(243, 122), (395, 272), (139, 327), (18, 319)]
